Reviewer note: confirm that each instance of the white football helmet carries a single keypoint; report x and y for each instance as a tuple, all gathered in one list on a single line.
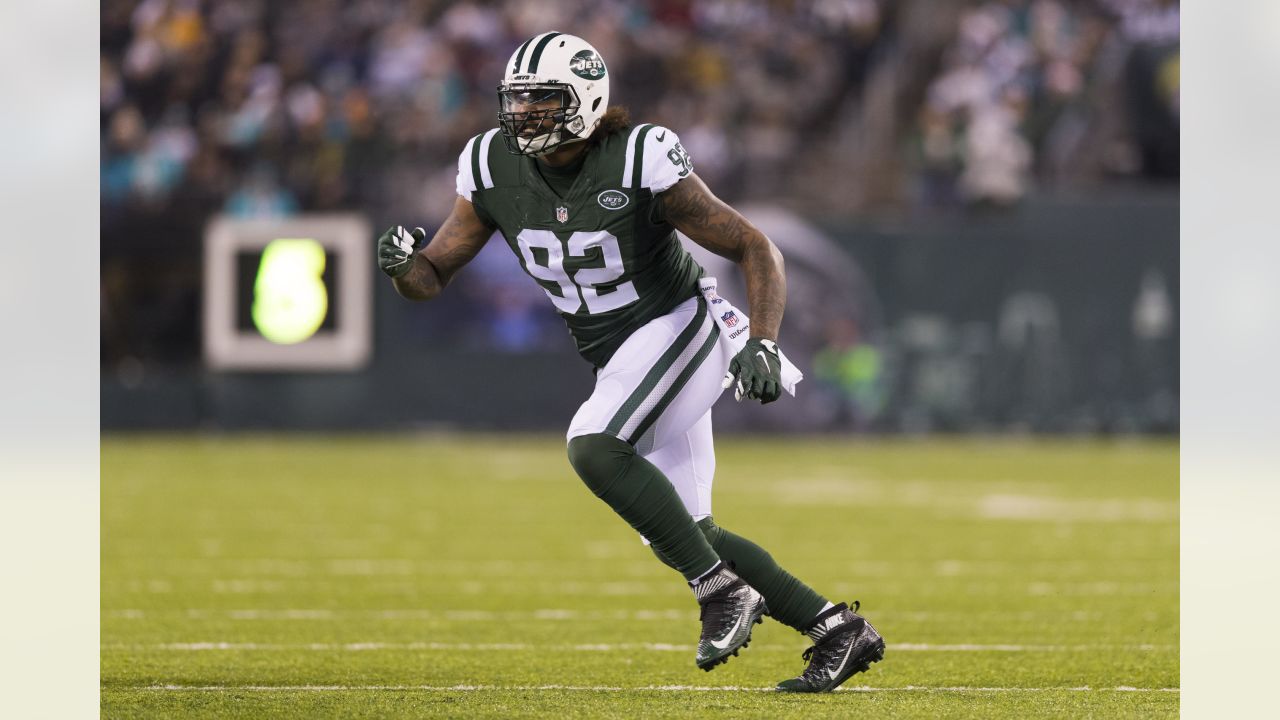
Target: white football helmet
[(554, 92)]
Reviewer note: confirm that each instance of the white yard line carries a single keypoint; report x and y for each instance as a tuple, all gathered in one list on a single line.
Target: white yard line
[(536, 615), (405, 614), (608, 688), (599, 647)]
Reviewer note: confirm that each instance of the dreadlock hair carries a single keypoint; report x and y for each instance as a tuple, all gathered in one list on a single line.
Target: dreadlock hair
[(615, 120)]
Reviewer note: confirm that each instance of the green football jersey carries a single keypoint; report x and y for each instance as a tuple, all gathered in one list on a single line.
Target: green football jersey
[(603, 255)]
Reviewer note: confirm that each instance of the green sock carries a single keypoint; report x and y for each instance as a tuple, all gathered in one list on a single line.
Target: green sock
[(790, 601), (642, 496)]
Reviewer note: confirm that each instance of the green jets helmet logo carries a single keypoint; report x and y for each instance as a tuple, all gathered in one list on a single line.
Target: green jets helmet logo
[(612, 199), (587, 65)]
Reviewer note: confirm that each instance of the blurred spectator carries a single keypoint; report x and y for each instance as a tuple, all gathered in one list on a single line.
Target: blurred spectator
[(261, 197), (1015, 69), (854, 369)]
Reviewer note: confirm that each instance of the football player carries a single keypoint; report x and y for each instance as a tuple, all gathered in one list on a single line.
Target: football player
[(589, 204)]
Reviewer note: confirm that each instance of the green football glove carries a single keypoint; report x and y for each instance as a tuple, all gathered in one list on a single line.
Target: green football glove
[(756, 371), (396, 247)]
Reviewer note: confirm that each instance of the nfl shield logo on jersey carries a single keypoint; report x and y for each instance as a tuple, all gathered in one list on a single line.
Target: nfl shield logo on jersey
[(562, 214), (729, 318)]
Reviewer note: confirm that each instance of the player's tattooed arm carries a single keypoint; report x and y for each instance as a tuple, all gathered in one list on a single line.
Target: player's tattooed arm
[(457, 241), (691, 207)]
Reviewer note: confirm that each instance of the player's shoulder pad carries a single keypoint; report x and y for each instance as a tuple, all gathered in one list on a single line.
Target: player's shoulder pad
[(655, 158), (475, 171)]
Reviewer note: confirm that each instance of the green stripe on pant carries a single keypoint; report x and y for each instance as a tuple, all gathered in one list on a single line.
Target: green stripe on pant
[(678, 385), (651, 379)]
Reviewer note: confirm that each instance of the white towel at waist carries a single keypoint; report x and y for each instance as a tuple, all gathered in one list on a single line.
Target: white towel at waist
[(735, 328)]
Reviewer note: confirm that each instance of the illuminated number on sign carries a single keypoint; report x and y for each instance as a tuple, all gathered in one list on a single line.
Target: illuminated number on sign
[(289, 296), (584, 286)]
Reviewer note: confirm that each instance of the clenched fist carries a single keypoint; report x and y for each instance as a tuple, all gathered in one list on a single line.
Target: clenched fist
[(756, 371), (396, 247)]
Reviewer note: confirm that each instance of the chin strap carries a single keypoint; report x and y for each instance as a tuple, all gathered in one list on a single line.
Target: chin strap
[(558, 145)]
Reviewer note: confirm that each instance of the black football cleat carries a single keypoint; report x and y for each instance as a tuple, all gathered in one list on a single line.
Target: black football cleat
[(844, 644), (730, 609)]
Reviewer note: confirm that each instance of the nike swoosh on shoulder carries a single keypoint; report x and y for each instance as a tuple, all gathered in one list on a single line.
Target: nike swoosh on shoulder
[(662, 136)]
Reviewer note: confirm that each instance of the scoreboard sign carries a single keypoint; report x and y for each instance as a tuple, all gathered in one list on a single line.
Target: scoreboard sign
[(288, 295)]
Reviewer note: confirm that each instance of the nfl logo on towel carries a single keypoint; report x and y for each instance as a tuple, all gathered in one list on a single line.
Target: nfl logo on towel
[(562, 214), (729, 318)]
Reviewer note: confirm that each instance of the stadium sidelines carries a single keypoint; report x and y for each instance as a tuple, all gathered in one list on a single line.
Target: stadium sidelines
[(610, 688), (599, 647)]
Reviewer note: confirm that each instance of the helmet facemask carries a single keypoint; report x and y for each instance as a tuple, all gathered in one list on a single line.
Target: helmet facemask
[(536, 119)]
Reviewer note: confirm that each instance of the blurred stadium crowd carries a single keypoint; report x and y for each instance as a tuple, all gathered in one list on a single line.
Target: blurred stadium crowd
[(270, 108)]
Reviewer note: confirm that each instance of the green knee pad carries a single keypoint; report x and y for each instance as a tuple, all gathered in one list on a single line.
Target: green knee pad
[(601, 460), (640, 494)]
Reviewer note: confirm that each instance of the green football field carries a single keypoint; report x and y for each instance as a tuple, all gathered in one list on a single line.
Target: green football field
[(468, 576)]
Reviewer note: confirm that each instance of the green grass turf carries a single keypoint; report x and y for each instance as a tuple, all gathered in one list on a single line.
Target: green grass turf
[(464, 576)]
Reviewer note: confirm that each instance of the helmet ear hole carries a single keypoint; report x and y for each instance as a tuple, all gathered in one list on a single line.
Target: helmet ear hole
[(596, 104)]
